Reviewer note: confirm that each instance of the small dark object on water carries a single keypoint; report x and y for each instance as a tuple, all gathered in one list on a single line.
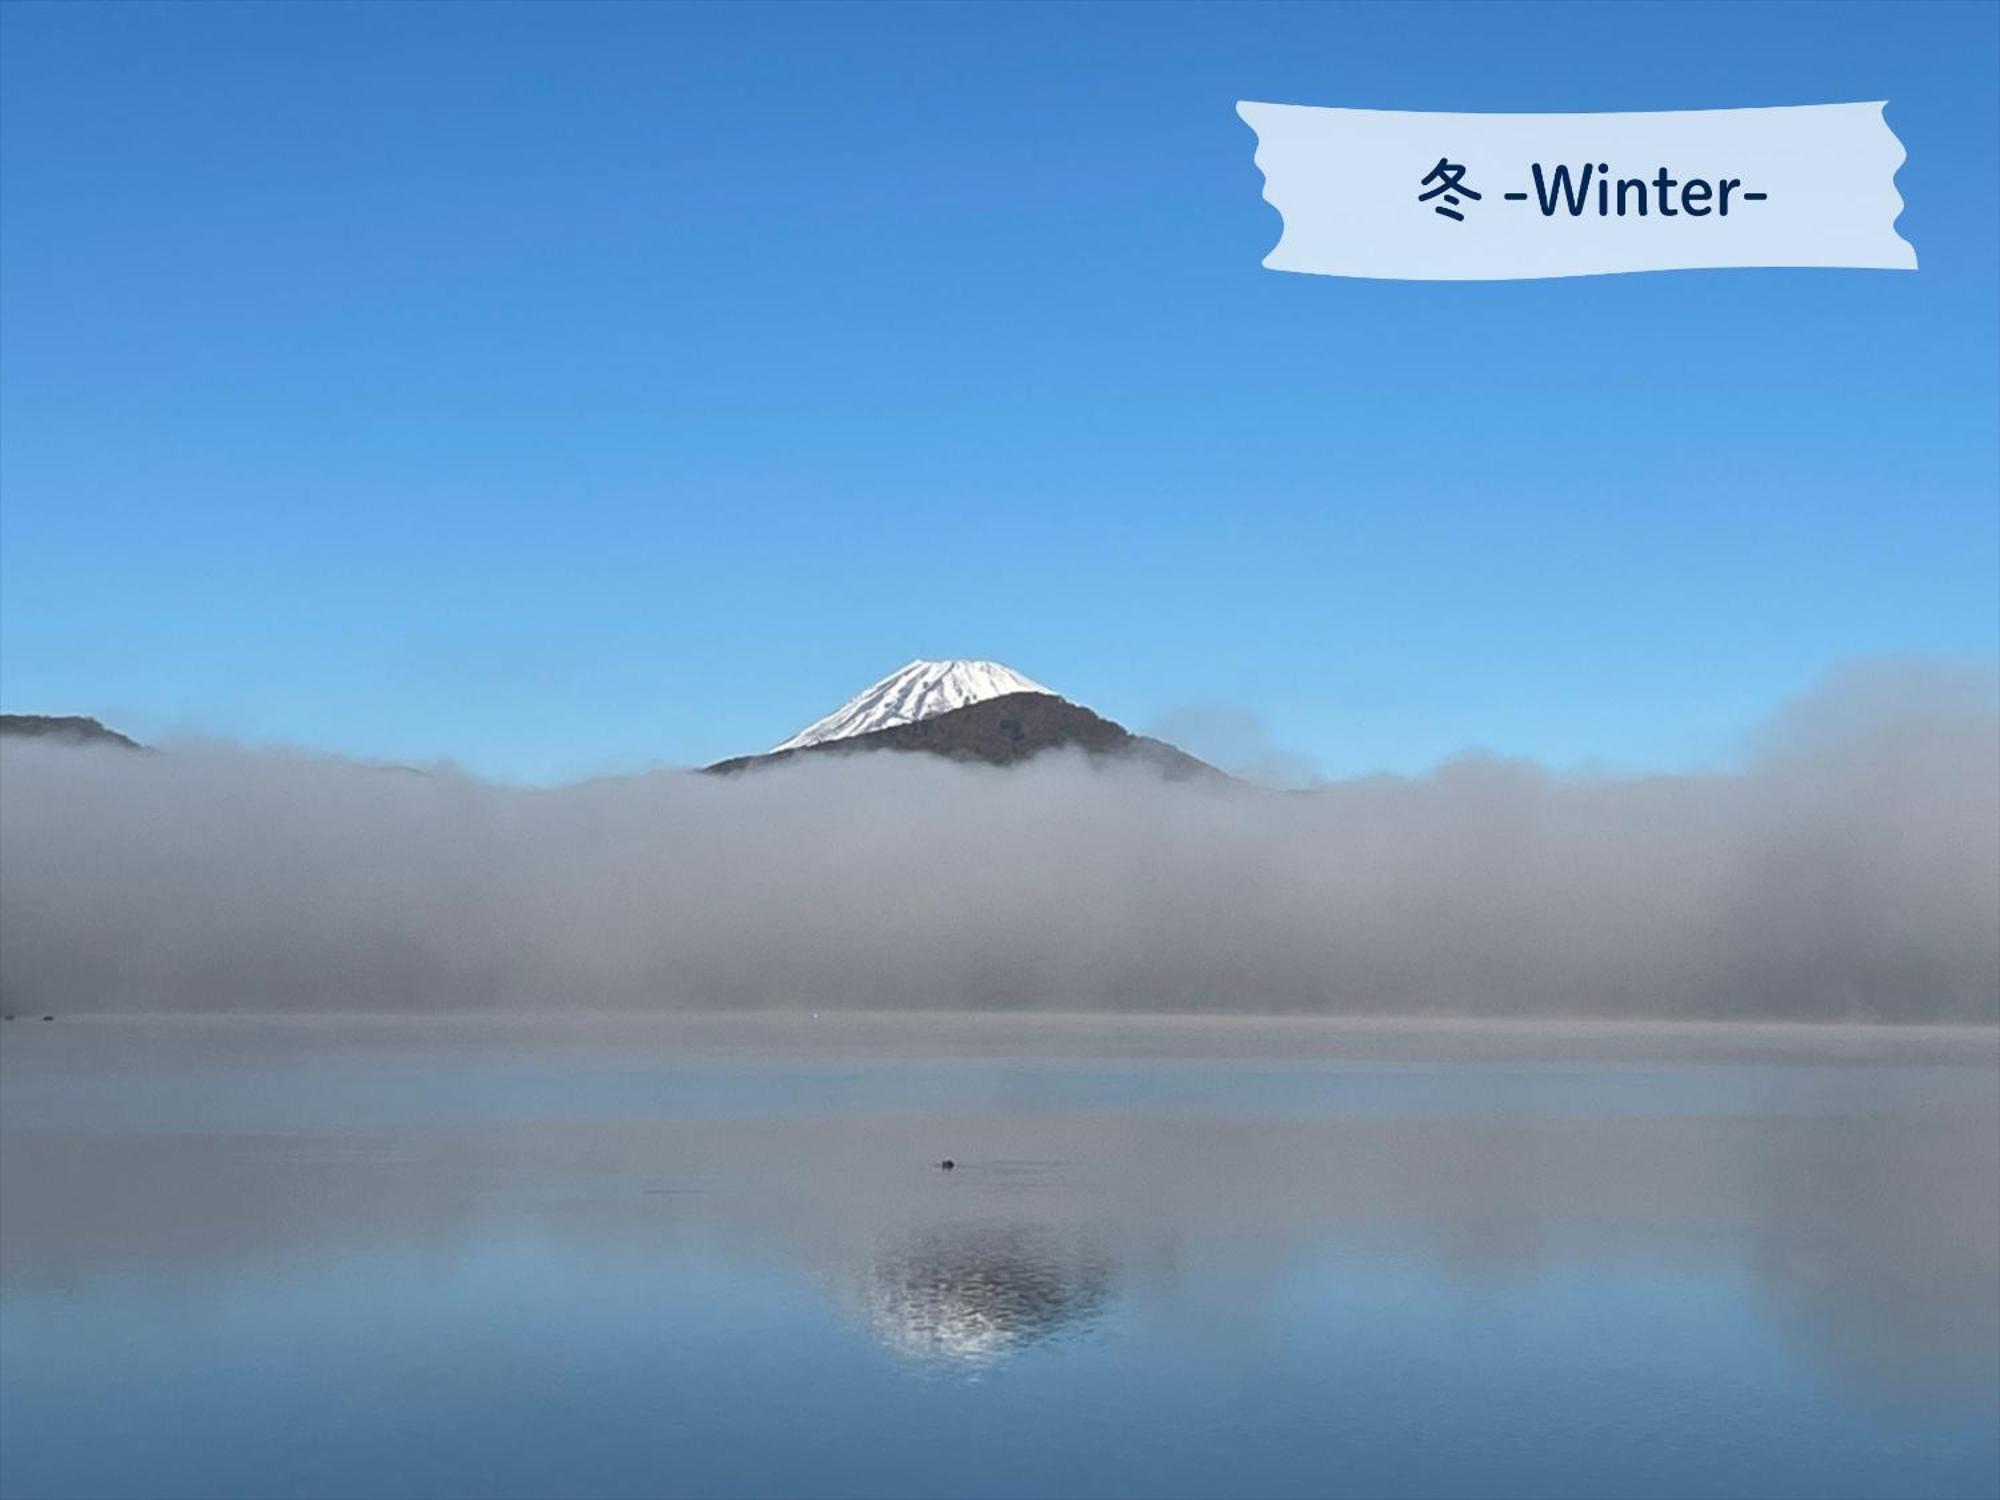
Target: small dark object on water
[(946, 1165), (48, 1018)]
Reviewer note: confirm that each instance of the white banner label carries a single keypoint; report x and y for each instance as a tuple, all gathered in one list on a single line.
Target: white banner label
[(1458, 197)]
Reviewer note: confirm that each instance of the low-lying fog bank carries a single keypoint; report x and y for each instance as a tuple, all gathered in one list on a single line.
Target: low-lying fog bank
[(1851, 870)]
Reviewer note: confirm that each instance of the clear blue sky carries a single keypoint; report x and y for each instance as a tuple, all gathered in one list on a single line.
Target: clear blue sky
[(568, 388)]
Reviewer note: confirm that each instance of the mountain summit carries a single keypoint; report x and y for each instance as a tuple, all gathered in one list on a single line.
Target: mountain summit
[(921, 690), (972, 711)]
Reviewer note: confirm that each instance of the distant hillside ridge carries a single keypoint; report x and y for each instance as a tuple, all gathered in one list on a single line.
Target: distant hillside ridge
[(1002, 731), (70, 729)]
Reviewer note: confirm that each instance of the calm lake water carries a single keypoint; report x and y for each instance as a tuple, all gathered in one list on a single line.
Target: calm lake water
[(604, 1258)]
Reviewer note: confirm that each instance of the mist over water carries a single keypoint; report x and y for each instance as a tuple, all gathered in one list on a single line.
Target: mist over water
[(1849, 870)]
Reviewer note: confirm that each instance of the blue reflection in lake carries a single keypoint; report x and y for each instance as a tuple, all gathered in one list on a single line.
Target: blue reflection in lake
[(598, 1258)]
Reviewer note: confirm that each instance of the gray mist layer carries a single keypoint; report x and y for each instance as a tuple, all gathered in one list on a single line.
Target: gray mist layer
[(1850, 871)]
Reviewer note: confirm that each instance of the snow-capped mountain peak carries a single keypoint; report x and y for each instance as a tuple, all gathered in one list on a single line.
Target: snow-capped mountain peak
[(920, 690)]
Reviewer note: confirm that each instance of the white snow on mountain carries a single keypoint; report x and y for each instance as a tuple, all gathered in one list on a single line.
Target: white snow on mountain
[(921, 690)]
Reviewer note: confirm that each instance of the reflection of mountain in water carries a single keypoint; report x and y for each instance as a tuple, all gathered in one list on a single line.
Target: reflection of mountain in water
[(979, 1290)]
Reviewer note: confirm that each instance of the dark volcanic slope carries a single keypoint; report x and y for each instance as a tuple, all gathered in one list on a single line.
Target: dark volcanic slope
[(1001, 732), (73, 729)]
